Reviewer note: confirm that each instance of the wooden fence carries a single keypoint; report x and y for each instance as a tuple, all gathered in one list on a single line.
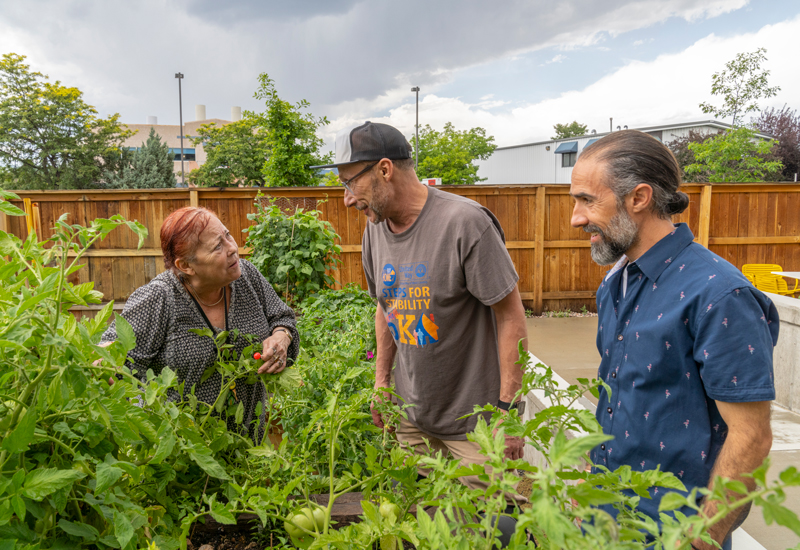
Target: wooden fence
[(743, 223)]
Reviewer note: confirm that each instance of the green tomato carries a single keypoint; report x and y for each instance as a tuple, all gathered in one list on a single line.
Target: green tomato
[(389, 509), (304, 519), (319, 518)]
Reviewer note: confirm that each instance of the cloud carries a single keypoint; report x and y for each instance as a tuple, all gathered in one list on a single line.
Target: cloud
[(557, 59), (335, 53), (639, 94)]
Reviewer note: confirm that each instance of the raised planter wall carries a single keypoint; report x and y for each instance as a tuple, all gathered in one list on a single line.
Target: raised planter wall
[(786, 357)]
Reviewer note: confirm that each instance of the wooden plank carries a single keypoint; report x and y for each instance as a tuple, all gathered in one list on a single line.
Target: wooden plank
[(567, 294), (567, 244), (538, 263), (559, 295), (754, 240), (705, 216), (193, 198), (4, 225)]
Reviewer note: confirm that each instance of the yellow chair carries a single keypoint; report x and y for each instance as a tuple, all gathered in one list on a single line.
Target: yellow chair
[(763, 279)]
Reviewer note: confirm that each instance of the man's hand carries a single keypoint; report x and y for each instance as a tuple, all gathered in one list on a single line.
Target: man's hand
[(377, 419), (515, 446)]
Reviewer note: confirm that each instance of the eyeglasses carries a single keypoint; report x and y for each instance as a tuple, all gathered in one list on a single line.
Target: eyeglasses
[(349, 182)]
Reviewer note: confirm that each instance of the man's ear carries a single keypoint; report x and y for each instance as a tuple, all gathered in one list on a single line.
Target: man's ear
[(184, 267), (385, 169), (641, 198)]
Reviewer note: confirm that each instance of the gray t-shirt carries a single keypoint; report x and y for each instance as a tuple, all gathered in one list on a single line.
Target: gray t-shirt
[(436, 282)]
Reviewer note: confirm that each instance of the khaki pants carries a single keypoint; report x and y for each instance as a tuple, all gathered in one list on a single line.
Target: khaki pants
[(413, 440)]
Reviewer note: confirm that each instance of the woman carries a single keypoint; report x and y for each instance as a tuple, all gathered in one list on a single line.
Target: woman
[(206, 285)]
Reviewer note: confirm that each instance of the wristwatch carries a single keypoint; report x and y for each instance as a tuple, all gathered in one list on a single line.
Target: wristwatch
[(285, 331), (505, 405)]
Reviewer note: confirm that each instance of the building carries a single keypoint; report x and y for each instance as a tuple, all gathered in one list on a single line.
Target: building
[(551, 161), (193, 156)]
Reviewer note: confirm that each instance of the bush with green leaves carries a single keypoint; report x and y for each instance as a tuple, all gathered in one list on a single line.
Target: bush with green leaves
[(294, 252)]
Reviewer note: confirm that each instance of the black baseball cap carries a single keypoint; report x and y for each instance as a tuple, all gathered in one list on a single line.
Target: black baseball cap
[(369, 141)]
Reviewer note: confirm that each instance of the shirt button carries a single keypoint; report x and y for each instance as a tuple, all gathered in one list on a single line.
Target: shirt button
[(609, 410), (619, 338), (613, 375), (603, 447)]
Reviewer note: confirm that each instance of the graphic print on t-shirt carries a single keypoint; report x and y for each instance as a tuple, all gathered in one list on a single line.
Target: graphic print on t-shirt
[(408, 302)]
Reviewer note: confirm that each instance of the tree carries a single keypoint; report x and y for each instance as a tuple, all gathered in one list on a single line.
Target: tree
[(734, 156), (150, 167), (236, 153), (291, 137), (741, 84), (50, 138), (449, 154), (685, 156), (785, 126), (569, 130)]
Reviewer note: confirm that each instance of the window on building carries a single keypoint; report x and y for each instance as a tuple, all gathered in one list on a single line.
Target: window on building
[(188, 154), (568, 160)]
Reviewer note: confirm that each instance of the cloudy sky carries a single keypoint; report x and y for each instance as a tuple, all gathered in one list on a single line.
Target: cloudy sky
[(512, 67)]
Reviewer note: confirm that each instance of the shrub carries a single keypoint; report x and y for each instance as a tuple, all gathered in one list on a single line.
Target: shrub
[(294, 252)]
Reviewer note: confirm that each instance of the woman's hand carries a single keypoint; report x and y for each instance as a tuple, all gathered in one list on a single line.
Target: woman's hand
[(274, 353)]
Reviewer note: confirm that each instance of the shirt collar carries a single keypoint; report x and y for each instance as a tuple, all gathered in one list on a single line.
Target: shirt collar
[(660, 255)]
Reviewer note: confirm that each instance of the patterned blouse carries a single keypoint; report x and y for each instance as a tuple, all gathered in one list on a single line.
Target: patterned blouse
[(162, 312)]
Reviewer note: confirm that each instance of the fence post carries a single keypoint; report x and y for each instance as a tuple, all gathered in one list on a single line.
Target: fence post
[(193, 198), (538, 251), (705, 216)]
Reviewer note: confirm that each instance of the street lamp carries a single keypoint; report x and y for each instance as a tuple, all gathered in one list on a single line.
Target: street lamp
[(416, 130), (179, 76)]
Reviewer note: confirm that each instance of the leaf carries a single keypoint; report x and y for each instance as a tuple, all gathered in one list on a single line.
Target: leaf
[(781, 515), (43, 482), (107, 476), (19, 439), (19, 507), (166, 442), (671, 501), (239, 413), (123, 529), (101, 319), (222, 514), (10, 209), (82, 530), (210, 466), (125, 334)]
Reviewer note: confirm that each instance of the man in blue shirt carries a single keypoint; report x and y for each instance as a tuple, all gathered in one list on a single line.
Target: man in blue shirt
[(686, 341)]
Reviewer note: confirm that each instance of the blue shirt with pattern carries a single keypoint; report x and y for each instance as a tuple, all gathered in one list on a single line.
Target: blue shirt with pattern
[(690, 330)]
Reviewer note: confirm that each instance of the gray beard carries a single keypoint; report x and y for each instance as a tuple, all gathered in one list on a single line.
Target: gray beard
[(620, 235)]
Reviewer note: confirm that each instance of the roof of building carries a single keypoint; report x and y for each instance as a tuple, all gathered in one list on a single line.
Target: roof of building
[(598, 135)]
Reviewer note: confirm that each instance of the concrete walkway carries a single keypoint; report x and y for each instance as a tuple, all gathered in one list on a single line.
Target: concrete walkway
[(567, 345)]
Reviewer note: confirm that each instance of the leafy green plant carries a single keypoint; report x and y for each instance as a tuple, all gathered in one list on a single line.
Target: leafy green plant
[(235, 154), (294, 252), (450, 154), (340, 321), (291, 137), (734, 156)]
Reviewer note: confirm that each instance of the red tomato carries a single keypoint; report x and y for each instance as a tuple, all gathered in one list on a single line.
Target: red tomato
[(256, 356)]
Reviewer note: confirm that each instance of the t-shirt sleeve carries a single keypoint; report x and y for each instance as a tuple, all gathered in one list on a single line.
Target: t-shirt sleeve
[(734, 344), (488, 269), (366, 261), (148, 312)]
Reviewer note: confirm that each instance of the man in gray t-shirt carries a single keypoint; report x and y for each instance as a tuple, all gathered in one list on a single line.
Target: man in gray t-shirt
[(449, 311)]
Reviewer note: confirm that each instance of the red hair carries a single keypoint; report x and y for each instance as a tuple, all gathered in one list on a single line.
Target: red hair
[(180, 233)]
